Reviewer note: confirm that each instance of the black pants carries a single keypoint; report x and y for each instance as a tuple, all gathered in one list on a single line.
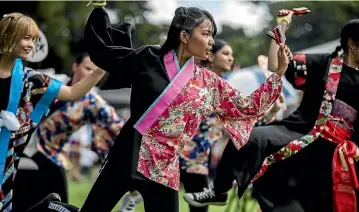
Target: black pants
[(111, 185), (243, 164), (194, 183), (31, 186)]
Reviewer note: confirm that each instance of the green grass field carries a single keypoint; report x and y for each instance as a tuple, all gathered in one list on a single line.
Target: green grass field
[(79, 190)]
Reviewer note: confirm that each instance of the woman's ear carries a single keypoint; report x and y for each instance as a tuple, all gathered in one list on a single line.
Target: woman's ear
[(351, 44), (184, 37)]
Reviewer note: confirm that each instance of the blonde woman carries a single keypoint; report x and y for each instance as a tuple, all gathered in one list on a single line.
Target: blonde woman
[(25, 95)]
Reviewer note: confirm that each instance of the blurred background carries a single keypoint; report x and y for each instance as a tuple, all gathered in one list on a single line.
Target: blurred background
[(242, 23)]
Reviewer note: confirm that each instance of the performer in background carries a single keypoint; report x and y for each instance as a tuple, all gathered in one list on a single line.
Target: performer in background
[(65, 118)]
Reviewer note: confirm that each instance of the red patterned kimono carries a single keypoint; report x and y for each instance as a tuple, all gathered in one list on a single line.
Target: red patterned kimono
[(165, 129), (167, 105)]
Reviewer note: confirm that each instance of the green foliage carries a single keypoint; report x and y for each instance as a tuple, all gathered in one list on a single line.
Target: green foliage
[(63, 23), (60, 19), (79, 190)]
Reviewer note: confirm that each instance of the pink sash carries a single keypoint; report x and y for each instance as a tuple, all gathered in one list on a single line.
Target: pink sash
[(179, 78)]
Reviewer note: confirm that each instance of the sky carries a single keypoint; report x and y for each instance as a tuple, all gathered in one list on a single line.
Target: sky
[(236, 13)]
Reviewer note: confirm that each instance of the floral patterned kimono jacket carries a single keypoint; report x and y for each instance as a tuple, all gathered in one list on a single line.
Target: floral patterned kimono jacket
[(317, 170), (28, 94), (65, 118), (168, 103)]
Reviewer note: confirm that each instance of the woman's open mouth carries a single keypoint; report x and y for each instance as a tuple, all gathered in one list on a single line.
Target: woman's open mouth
[(27, 51)]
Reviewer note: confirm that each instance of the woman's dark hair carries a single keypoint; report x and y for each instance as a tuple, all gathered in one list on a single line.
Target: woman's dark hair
[(185, 18), (349, 31), (219, 43), (80, 57)]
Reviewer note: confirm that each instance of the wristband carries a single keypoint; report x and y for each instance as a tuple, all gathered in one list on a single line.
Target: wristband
[(97, 3)]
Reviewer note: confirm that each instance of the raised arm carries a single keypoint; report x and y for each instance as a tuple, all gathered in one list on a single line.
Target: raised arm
[(76, 91), (122, 34), (273, 46), (238, 112), (45, 90), (116, 58), (297, 68)]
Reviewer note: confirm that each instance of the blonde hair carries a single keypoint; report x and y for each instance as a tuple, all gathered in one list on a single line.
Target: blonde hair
[(13, 28)]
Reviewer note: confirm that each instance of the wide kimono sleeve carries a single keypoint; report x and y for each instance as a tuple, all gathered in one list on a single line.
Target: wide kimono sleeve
[(122, 34), (43, 91), (238, 113), (300, 68), (114, 55)]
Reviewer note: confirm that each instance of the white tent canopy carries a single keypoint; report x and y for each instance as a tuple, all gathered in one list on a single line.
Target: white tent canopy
[(241, 80), (322, 48)]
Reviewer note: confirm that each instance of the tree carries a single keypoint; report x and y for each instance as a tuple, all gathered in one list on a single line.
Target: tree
[(146, 33), (63, 23)]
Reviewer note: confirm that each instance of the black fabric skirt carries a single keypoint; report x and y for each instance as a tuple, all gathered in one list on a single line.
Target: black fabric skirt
[(302, 182), (243, 164)]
